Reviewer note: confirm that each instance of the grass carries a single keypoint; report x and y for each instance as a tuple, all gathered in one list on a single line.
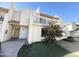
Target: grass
[(41, 49)]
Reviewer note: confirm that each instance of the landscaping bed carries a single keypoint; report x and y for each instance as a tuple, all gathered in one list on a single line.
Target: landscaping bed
[(41, 49)]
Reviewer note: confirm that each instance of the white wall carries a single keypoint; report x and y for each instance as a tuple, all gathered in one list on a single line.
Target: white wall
[(25, 14), (17, 16), (75, 33), (69, 27), (23, 32), (5, 26), (9, 32), (30, 34), (0, 25), (36, 33), (34, 30)]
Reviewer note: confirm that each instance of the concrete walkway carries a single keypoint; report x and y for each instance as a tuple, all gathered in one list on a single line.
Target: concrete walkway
[(71, 46), (10, 48)]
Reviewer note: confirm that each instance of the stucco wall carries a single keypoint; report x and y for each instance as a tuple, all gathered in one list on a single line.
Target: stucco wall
[(17, 16), (9, 32), (71, 27), (24, 17), (36, 33), (0, 25), (5, 30)]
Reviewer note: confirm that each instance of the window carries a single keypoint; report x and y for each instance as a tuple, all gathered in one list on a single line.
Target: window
[(49, 22), (1, 17), (42, 21), (6, 31), (36, 20), (42, 32)]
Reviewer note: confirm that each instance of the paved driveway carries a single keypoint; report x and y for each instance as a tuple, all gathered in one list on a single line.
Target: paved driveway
[(71, 46), (10, 48)]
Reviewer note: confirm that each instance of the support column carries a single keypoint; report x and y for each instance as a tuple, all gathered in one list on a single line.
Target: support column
[(30, 29), (30, 34)]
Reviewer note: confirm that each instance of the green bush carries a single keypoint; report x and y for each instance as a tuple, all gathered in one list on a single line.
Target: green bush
[(52, 31)]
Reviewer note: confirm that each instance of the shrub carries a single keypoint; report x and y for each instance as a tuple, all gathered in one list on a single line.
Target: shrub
[(52, 31)]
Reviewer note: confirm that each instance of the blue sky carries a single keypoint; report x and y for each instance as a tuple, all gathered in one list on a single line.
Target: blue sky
[(68, 11)]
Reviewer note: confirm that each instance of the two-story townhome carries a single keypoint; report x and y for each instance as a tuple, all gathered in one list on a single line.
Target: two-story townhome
[(24, 24)]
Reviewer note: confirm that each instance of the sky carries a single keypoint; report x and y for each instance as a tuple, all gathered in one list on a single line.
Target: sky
[(68, 11)]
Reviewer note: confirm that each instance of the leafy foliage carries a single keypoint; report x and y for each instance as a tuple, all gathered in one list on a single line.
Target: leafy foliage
[(51, 32)]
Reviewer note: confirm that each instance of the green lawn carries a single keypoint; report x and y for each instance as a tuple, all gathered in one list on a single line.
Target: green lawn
[(41, 49)]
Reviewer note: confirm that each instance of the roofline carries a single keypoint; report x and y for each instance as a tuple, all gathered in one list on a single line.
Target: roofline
[(48, 16), (4, 8), (41, 14)]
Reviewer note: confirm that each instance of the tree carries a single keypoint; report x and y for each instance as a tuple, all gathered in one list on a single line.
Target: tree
[(51, 32)]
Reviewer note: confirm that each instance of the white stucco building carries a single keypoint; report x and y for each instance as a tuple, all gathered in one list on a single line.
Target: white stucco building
[(24, 24), (73, 30)]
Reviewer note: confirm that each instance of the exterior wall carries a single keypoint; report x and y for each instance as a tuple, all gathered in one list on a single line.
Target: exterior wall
[(11, 14), (17, 16), (5, 30), (9, 32), (58, 21), (0, 25), (25, 15), (30, 34), (23, 32), (36, 34), (47, 20), (30, 29), (69, 27)]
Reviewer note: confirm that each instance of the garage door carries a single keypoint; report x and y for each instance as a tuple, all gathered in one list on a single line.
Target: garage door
[(23, 32)]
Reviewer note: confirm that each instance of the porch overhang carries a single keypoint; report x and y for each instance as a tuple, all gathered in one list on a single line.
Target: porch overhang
[(12, 22)]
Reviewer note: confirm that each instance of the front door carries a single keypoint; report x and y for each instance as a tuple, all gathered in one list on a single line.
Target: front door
[(16, 31)]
